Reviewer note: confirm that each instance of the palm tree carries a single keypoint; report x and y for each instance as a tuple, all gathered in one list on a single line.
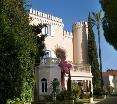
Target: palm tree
[(96, 20)]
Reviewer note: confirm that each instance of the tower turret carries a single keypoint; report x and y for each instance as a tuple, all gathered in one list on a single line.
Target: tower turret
[(80, 44)]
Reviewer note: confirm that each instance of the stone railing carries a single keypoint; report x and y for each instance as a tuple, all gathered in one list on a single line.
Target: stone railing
[(82, 68), (79, 67), (49, 60)]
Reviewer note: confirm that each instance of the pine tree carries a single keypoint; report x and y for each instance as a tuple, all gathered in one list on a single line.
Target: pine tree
[(93, 58)]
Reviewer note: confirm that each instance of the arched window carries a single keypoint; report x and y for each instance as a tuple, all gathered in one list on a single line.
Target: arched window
[(44, 85), (46, 30), (47, 54)]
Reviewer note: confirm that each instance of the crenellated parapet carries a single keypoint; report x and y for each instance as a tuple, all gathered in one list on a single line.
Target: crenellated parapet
[(45, 18), (67, 34), (80, 25)]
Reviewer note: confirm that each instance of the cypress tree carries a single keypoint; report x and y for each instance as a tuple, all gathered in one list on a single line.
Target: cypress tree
[(93, 58), (110, 21)]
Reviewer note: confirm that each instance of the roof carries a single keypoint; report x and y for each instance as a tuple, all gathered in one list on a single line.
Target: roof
[(110, 72)]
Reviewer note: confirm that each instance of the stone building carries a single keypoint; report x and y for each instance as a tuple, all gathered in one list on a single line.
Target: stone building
[(110, 80), (75, 45)]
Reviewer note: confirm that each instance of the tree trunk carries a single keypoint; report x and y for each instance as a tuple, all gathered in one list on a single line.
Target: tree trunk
[(100, 58)]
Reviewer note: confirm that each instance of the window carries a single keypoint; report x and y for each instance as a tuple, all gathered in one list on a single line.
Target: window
[(47, 30), (44, 85), (47, 54)]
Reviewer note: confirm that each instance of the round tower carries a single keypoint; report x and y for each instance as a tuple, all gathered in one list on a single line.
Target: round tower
[(80, 43)]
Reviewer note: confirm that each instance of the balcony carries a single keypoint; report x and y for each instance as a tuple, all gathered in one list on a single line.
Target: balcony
[(82, 68)]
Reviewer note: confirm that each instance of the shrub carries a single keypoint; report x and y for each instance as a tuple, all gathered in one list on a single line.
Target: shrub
[(65, 95), (48, 98)]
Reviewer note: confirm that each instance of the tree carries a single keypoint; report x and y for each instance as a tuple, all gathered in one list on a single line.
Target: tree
[(96, 20), (37, 29), (18, 50), (93, 57), (39, 38), (76, 89), (65, 67), (110, 22), (55, 85)]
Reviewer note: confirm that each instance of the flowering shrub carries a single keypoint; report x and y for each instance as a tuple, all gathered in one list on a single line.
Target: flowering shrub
[(63, 64)]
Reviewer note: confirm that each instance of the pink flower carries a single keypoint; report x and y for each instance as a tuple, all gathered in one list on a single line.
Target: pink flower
[(65, 66)]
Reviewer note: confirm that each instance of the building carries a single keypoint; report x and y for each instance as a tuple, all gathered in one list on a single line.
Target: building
[(110, 79), (75, 45)]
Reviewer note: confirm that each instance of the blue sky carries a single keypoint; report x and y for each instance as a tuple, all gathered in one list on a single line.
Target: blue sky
[(74, 11)]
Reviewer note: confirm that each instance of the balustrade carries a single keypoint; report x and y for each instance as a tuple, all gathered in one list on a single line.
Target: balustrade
[(49, 60), (82, 68)]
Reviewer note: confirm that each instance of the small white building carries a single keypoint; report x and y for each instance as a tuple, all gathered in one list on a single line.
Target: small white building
[(75, 45), (110, 79)]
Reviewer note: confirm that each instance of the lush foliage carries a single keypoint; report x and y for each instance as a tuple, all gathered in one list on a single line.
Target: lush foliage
[(93, 57), (108, 89), (110, 21), (66, 96), (55, 85), (62, 98), (39, 38), (96, 19), (76, 89), (18, 50)]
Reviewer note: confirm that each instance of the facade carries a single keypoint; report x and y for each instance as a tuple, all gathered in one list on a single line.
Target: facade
[(110, 79), (75, 45)]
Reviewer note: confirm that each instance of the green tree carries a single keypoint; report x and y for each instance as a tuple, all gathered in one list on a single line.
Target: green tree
[(39, 38), (93, 57), (76, 89), (96, 20), (37, 29), (18, 50), (55, 84), (110, 22)]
